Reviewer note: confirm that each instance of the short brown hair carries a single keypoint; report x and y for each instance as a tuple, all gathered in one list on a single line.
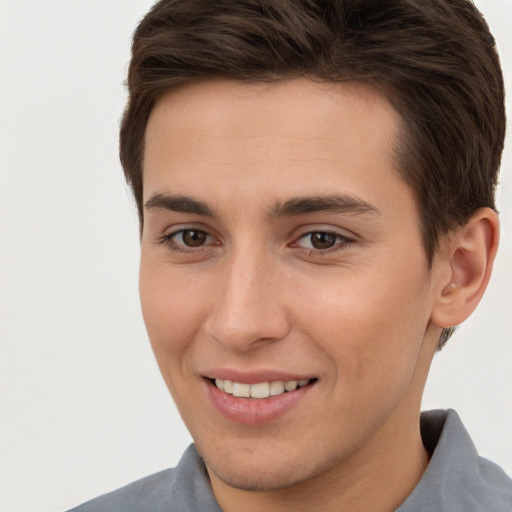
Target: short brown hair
[(435, 61)]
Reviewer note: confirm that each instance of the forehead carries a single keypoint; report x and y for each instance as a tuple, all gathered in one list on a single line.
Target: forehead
[(225, 138), (305, 108)]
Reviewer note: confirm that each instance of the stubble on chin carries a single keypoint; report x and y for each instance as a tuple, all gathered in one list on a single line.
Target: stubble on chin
[(286, 476)]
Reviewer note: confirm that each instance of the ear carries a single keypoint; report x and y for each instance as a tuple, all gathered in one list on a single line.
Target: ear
[(467, 261)]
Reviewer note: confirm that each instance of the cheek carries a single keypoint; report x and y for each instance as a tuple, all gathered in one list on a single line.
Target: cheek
[(370, 325), (172, 307)]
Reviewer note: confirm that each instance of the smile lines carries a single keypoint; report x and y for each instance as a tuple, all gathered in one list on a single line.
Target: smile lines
[(259, 390)]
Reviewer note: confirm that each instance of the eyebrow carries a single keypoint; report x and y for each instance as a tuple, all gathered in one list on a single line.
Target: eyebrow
[(335, 203), (177, 203)]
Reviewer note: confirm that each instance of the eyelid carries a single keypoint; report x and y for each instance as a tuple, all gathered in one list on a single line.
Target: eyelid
[(324, 228), (178, 227)]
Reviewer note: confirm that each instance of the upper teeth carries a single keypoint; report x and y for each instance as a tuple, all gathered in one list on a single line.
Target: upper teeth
[(259, 390)]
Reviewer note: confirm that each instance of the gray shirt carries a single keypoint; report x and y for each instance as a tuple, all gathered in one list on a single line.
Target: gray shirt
[(456, 480)]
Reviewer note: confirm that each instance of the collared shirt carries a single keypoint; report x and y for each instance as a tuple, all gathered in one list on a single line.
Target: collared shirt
[(456, 480)]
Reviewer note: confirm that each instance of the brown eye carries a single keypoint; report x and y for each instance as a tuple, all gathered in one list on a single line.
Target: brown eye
[(321, 240), (189, 241), (193, 237)]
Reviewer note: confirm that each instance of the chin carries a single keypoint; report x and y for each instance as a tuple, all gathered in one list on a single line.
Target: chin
[(266, 473), (261, 479)]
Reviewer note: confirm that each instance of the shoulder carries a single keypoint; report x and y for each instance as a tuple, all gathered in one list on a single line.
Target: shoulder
[(183, 489), (144, 494)]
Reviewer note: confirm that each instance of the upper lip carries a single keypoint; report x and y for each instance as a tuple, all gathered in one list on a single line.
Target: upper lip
[(255, 376)]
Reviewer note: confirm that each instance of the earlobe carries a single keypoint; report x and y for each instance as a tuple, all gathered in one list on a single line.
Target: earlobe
[(470, 253)]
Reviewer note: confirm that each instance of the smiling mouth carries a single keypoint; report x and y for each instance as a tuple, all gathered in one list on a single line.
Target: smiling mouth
[(260, 389)]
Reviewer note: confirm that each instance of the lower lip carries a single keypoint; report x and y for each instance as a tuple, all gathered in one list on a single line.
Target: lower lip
[(254, 411)]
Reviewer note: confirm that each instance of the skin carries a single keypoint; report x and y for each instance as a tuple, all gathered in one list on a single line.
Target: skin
[(255, 293)]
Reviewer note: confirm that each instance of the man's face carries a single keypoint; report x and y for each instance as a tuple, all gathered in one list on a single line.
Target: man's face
[(280, 246)]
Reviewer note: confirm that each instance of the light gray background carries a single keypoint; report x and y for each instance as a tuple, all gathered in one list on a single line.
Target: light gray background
[(83, 409)]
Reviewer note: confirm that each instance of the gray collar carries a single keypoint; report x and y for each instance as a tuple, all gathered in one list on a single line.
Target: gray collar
[(457, 479)]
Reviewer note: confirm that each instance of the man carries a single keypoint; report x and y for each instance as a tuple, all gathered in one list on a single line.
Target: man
[(315, 184)]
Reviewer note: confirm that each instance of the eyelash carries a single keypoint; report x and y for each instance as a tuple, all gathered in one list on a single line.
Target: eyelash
[(342, 242)]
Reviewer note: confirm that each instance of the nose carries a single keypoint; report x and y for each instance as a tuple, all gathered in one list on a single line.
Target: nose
[(248, 307)]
